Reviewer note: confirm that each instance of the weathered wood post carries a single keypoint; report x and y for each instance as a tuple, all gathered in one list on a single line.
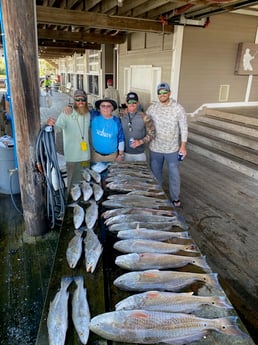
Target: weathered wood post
[(19, 20)]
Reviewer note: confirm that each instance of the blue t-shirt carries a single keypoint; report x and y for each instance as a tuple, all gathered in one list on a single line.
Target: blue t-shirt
[(106, 134)]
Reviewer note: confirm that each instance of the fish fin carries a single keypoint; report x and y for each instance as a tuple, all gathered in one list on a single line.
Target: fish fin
[(152, 294), (139, 314), (185, 339), (138, 227), (150, 273)]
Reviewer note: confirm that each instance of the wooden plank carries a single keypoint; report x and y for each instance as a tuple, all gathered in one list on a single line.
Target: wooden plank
[(59, 16), (22, 61)]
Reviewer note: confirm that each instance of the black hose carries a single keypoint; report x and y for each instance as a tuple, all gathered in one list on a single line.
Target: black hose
[(47, 164)]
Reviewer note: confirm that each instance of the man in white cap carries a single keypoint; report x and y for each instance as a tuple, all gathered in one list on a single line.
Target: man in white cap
[(170, 123)]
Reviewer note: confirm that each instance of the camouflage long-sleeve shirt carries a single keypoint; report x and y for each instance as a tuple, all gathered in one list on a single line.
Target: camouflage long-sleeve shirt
[(171, 127)]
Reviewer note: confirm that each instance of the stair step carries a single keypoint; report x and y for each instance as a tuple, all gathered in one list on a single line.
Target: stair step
[(249, 119), (233, 149), (222, 157), (230, 125), (229, 135)]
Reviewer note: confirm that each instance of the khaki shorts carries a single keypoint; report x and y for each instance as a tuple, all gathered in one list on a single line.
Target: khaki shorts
[(96, 157)]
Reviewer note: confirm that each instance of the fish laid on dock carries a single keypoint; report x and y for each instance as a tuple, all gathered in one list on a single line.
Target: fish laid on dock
[(151, 246), (171, 302), (95, 175), (91, 214), (147, 261), (153, 327), (74, 249), (78, 216), (137, 210), (75, 192), (97, 191), (150, 234), (135, 202), (80, 310), (130, 186), (164, 226), (163, 280), (93, 250), (86, 175), (135, 217), (57, 320), (87, 191)]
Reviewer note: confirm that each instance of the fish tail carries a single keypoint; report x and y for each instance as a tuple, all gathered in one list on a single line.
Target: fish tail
[(212, 280), (65, 282), (78, 280), (202, 262), (228, 325), (220, 302)]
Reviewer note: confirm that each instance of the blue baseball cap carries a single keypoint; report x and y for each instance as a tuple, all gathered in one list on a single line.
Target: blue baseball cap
[(163, 86)]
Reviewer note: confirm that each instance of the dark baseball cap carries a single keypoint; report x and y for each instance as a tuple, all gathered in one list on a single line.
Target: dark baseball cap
[(131, 96)]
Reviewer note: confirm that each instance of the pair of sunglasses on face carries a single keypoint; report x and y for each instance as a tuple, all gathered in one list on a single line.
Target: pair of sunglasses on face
[(131, 101), (80, 99), (163, 92)]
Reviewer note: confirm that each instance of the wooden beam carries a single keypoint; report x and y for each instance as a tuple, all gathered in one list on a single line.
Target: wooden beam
[(57, 16), (21, 47), (80, 36)]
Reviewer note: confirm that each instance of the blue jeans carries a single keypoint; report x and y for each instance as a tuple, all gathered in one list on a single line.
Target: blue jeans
[(156, 164)]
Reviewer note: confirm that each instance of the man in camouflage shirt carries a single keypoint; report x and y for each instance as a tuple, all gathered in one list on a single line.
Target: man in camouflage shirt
[(170, 123)]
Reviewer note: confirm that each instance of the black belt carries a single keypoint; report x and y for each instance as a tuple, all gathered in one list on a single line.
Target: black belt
[(104, 154)]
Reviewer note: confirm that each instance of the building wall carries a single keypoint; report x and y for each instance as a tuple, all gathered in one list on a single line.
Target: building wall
[(207, 73), (150, 53), (209, 58)]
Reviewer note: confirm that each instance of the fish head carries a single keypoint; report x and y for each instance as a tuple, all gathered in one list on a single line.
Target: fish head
[(228, 325), (126, 261)]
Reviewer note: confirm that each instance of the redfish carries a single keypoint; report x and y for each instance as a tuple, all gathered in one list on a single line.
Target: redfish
[(153, 327)]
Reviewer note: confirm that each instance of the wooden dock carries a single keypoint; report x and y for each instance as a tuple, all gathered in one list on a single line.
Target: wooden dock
[(103, 295)]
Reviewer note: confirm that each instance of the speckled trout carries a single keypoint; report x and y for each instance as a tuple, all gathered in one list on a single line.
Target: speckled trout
[(74, 249), (151, 327), (152, 246), (57, 320), (184, 302), (147, 261), (163, 280), (80, 310)]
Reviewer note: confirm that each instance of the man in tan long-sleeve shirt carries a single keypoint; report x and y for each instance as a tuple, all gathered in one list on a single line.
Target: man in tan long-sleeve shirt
[(170, 123)]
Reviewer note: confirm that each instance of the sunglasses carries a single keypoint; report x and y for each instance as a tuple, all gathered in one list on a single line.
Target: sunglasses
[(163, 92), (80, 99), (131, 101)]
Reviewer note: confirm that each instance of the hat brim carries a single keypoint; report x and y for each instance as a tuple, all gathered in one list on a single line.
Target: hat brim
[(111, 101)]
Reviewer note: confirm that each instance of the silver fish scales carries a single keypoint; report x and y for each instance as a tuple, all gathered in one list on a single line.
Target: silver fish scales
[(163, 280), (184, 302), (74, 249), (136, 217), (57, 320), (165, 226), (146, 261), (78, 216), (149, 234), (151, 327), (152, 246), (136, 210), (80, 310)]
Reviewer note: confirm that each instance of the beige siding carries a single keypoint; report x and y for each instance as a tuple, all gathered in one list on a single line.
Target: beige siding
[(157, 54), (209, 58)]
